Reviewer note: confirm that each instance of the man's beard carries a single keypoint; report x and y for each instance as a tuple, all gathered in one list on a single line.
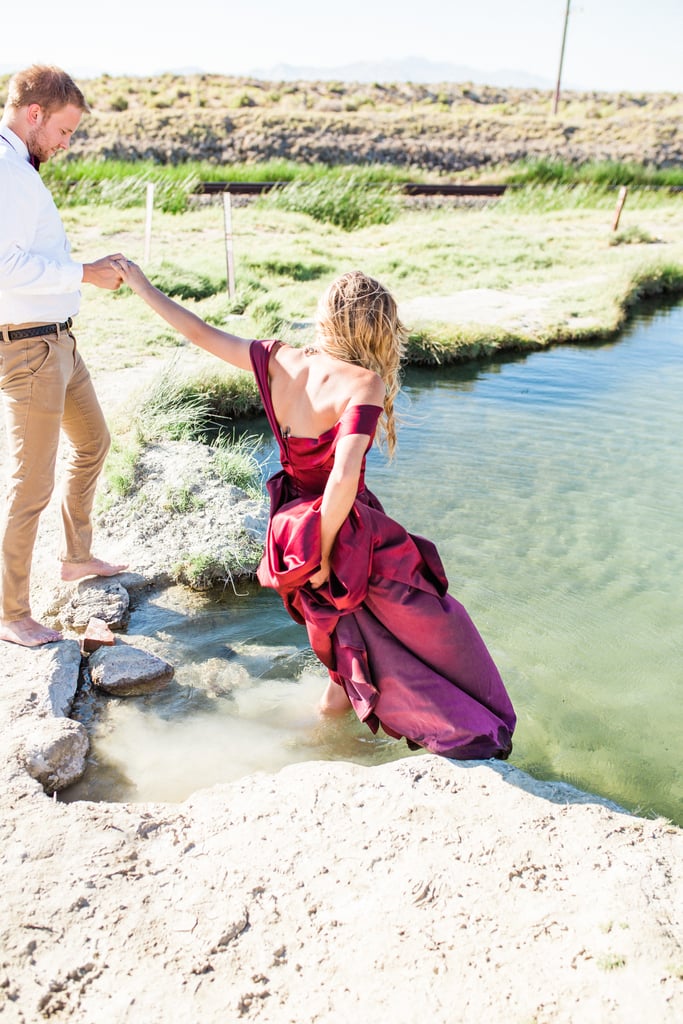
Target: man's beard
[(34, 144)]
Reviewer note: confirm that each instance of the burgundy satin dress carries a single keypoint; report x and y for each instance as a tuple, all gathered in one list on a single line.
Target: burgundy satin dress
[(407, 653)]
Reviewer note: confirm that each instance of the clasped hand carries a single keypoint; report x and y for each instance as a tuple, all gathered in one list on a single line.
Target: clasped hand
[(104, 273), (322, 575)]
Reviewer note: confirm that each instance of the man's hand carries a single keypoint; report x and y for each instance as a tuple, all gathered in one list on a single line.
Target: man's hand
[(102, 273)]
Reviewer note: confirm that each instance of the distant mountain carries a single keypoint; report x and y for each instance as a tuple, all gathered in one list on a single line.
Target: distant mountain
[(408, 69)]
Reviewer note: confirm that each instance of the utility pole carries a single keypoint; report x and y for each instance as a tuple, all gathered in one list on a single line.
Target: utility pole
[(556, 97)]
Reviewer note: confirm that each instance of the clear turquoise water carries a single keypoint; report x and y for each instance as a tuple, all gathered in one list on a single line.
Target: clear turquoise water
[(552, 486)]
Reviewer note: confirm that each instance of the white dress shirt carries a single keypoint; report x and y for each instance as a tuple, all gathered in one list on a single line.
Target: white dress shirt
[(39, 282)]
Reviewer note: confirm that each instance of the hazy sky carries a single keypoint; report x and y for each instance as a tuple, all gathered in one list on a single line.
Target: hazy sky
[(611, 44)]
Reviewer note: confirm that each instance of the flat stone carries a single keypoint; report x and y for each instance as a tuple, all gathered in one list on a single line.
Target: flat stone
[(125, 671)]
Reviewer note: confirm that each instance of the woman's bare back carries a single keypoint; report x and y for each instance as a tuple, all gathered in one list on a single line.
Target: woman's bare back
[(311, 389)]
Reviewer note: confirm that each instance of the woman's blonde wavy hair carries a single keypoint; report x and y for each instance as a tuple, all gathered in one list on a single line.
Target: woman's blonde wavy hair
[(357, 321)]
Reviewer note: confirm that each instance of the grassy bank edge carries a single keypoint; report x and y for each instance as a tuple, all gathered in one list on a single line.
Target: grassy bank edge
[(439, 344)]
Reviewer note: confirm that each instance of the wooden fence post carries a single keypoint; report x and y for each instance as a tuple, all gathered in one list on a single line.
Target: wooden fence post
[(227, 217), (148, 221), (620, 206)]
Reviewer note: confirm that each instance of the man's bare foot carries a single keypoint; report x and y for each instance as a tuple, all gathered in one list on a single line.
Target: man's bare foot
[(334, 700), (93, 567), (27, 632)]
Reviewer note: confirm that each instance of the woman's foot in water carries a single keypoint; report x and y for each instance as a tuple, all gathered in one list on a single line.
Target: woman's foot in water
[(334, 700)]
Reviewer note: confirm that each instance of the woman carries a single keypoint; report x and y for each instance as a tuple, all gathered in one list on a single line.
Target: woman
[(398, 648)]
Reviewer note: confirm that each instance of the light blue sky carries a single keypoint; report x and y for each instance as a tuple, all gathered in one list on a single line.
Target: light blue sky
[(611, 44)]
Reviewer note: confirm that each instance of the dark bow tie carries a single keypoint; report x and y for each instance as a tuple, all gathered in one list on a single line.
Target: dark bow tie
[(34, 161)]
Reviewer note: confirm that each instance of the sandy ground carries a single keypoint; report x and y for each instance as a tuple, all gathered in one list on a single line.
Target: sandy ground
[(422, 889), (331, 892)]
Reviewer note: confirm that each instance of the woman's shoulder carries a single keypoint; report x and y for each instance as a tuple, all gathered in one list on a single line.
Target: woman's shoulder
[(370, 389)]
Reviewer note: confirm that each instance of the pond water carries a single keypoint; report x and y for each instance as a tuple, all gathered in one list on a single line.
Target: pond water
[(553, 486)]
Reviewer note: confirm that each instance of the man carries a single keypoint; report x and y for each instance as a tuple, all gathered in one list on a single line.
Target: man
[(44, 382)]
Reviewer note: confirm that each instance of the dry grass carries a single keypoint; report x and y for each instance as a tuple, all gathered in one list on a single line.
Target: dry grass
[(447, 128)]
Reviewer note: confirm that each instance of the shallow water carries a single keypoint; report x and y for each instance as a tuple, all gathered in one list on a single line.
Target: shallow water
[(552, 486)]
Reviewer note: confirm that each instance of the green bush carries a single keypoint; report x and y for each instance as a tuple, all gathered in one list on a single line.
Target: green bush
[(633, 236)]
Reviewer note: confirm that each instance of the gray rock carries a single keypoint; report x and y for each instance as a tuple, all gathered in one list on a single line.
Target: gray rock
[(125, 671), (256, 525), (62, 663), (55, 752), (104, 599), (38, 680)]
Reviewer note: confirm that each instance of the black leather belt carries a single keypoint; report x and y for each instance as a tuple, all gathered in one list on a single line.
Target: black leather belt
[(35, 332)]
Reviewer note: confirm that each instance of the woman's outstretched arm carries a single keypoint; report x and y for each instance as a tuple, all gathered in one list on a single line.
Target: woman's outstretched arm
[(219, 343)]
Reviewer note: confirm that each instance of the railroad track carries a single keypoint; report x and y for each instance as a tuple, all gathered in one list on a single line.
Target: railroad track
[(256, 187), (245, 188)]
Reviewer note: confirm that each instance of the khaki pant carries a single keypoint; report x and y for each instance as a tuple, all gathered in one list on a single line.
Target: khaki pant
[(46, 387)]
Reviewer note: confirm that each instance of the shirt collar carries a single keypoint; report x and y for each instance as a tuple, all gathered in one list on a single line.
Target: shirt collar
[(17, 144)]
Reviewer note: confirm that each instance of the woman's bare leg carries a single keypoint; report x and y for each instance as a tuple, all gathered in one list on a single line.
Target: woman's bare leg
[(334, 700)]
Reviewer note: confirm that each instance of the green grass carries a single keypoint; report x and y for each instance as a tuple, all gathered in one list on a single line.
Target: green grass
[(237, 462), (123, 185), (183, 283), (194, 408), (181, 500), (120, 470), (336, 194), (541, 245), (119, 185), (633, 235), (348, 199), (602, 173), (185, 408), (204, 572)]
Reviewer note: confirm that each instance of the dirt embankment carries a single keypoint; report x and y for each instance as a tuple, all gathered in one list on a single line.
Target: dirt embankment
[(447, 128)]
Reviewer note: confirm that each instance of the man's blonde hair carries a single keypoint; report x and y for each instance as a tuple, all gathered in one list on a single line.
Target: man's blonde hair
[(49, 87), (358, 321)]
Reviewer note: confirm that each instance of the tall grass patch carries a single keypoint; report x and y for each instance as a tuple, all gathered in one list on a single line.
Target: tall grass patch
[(348, 199), (199, 408), (604, 173), (119, 184)]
